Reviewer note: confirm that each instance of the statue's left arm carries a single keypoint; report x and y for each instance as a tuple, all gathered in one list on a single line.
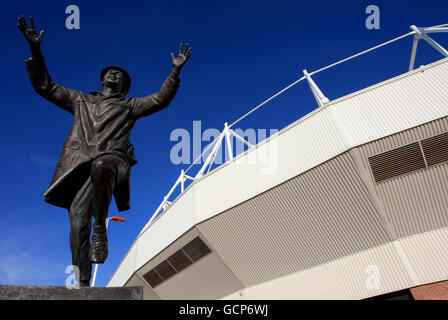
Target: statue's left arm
[(153, 103)]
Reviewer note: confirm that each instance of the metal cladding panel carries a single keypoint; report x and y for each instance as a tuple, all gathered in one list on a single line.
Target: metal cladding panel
[(426, 130), (395, 105), (168, 251), (239, 295), (125, 269), (364, 274), (206, 279), (314, 218), (428, 254), (415, 202), (294, 151), (148, 294)]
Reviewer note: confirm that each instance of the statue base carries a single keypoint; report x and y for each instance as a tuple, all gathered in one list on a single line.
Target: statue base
[(63, 293)]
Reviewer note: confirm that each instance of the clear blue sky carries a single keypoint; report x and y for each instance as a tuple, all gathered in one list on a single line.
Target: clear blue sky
[(243, 52)]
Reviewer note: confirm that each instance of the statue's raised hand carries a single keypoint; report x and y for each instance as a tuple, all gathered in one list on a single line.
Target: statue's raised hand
[(184, 55), (30, 34)]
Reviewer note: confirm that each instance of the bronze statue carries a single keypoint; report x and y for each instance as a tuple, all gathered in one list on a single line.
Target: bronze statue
[(97, 156)]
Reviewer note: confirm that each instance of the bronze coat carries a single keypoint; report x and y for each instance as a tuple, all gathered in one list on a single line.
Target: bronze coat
[(100, 126)]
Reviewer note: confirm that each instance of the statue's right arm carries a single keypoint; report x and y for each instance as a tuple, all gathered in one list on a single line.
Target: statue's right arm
[(38, 73)]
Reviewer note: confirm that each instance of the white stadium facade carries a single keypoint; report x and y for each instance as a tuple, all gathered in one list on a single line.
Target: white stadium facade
[(354, 205)]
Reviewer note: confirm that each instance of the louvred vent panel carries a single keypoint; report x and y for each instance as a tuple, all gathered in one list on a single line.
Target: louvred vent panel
[(165, 270), (396, 162), (196, 249), (152, 278), (436, 149), (181, 259)]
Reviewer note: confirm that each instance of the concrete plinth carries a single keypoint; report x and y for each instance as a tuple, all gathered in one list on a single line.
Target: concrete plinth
[(62, 293)]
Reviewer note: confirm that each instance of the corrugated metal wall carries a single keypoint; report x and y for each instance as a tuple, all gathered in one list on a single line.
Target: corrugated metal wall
[(345, 278), (137, 281), (395, 105), (208, 279), (428, 253), (321, 215), (415, 202), (168, 251), (351, 277)]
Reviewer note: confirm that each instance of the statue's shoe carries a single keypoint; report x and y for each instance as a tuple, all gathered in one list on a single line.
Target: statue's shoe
[(99, 248)]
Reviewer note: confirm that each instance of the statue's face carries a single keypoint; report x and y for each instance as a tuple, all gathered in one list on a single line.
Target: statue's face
[(114, 78)]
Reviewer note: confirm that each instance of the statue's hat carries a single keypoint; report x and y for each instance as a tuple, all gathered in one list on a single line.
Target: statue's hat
[(125, 74)]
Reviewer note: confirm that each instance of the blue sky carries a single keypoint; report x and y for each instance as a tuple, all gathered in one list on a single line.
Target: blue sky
[(243, 52)]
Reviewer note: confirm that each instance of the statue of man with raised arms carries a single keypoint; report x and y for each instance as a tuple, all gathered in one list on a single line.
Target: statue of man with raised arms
[(97, 156)]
